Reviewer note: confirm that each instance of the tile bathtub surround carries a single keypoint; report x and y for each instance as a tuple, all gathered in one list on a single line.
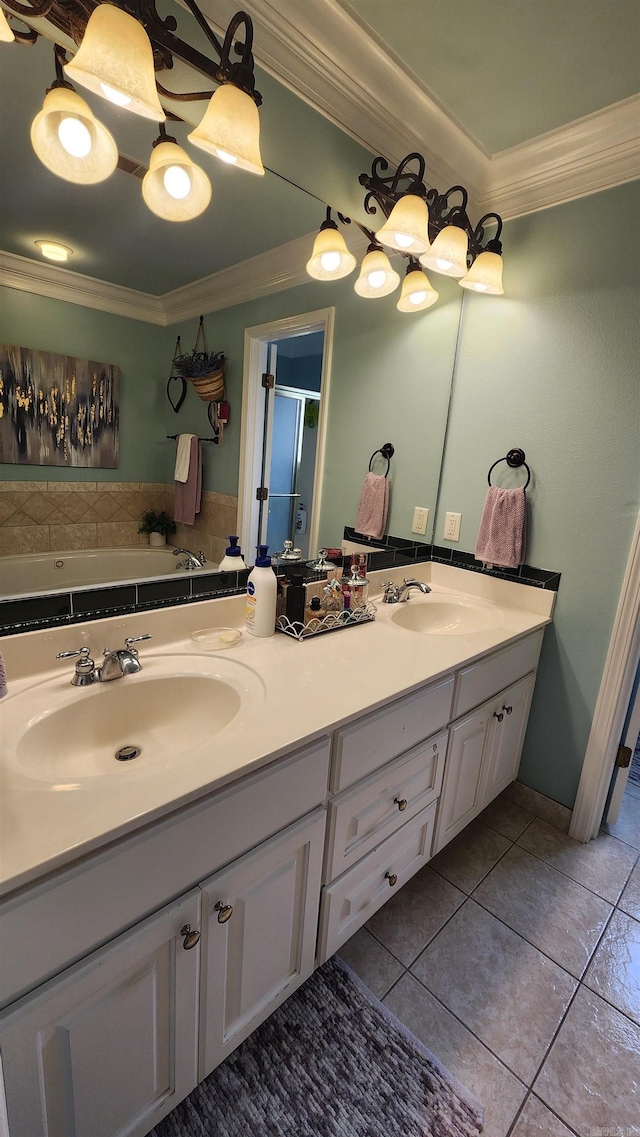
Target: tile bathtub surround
[(217, 519), (518, 975)]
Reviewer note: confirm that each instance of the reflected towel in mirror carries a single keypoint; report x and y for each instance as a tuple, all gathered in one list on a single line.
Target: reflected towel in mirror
[(3, 678), (183, 457), (374, 504), (188, 494)]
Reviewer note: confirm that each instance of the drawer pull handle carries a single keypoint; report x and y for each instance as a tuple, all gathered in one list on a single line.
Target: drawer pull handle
[(507, 709), (190, 937), (392, 878), (225, 911), (401, 803), (498, 715)]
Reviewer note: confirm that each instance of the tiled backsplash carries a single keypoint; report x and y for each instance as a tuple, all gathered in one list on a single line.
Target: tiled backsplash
[(40, 517)]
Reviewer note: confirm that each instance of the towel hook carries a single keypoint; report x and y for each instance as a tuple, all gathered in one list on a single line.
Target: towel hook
[(513, 458), (387, 451)]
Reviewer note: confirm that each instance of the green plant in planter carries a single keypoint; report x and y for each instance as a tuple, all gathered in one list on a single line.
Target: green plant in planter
[(157, 521), (194, 364)]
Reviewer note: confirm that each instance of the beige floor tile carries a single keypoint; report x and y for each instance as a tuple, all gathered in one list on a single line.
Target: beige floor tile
[(536, 1119), (506, 817), (470, 856), (603, 865), (630, 899), (371, 962), (413, 916), (614, 972), (463, 1055), (545, 807), (549, 909), (591, 1077), (627, 827), (501, 987)]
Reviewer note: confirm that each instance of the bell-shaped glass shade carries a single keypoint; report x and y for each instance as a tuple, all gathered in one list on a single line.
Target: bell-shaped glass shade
[(377, 277), (174, 187), (448, 253), (407, 226), (485, 275), (417, 292), (71, 141), (6, 35), (330, 259), (230, 129), (115, 60)]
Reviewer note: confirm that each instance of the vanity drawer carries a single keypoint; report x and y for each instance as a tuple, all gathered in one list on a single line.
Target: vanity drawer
[(55, 923), (363, 816), (348, 902), (485, 678), (366, 745)]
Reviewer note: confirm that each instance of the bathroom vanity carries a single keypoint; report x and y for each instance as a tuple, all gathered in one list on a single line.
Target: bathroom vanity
[(156, 918)]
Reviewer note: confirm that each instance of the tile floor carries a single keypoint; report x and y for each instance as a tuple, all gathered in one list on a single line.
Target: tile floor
[(515, 957)]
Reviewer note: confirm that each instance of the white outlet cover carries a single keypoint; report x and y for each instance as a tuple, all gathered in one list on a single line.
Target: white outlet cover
[(420, 520), (452, 526)]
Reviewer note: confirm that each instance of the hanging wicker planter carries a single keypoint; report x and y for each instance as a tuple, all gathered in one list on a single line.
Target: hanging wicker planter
[(208, 387), (203, 369)]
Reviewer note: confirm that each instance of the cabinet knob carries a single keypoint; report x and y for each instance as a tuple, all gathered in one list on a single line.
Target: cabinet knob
[(508, 709), (498, 715), (401, 803), (225, 911), (392, 878), (190, 937)]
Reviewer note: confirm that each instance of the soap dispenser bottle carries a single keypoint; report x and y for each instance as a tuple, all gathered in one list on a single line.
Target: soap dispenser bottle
[(232, 559), (262, 588)]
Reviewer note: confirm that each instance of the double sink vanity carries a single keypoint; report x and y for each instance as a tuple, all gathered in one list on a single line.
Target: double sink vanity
[(154, 911)]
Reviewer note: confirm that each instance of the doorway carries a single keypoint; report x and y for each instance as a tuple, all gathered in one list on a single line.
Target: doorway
[(287, 366)]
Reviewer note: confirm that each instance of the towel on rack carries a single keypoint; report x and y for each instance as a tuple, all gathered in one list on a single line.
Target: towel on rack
[(3, 678), (502, 533), (183, 457), (188, 494), (374, 504)]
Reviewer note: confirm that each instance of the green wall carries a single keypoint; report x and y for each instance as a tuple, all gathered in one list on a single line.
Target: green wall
[(553, 367), (138, 349)]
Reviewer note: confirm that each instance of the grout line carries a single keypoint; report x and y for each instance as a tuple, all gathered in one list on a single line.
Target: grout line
[(579, 882), (544, 954)]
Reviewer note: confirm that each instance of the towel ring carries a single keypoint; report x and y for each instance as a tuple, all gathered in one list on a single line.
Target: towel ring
[(387, 451), (514, 458)]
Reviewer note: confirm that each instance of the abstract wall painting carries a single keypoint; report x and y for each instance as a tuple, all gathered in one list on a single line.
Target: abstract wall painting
[(56, 410)]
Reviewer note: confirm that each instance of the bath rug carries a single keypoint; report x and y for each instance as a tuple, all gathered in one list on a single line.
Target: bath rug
[(330, 1062)]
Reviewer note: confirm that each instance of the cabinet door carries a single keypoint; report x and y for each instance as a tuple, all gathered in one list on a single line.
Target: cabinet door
[(506, 737), (109, 1047), (260, 918), (461, 797)]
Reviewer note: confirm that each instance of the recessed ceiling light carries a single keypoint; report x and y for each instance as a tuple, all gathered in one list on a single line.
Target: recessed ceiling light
[(53, 251)]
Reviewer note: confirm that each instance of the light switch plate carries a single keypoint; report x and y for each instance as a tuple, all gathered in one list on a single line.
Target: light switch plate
[(420, 519), (452, 526)]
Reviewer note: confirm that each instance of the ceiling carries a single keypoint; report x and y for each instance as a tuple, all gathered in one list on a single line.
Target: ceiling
[(485, 75)]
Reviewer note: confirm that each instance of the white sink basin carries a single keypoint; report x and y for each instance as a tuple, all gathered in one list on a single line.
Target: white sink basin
[(68, 736), (436, 615)]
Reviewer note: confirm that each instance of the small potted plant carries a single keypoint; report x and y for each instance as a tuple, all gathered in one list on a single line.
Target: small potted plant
[(158, 525)]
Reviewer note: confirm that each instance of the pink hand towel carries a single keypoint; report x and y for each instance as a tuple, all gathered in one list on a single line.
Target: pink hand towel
[(502, 533), (188, 494), (3, 678), (374, 504)]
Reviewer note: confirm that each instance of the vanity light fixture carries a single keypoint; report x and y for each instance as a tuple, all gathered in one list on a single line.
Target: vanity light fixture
[(122, 44), (485, 274), (54, 251), (330, 258), (417, 292), (174, 187), (377, 277), (407, 227), (6, 34), (448, 253)]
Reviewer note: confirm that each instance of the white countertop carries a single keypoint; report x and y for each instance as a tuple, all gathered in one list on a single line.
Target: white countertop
[(308, 689)]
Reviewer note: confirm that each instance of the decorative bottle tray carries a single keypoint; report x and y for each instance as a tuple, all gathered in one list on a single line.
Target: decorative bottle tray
[(332, 622)]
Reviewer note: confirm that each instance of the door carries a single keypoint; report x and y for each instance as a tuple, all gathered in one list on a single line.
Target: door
[(260, 919), (628, 746), (461, 799), (510, 712), (108, 1048)]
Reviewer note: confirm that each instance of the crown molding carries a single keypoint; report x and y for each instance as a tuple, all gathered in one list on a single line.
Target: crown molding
[(59, 283)]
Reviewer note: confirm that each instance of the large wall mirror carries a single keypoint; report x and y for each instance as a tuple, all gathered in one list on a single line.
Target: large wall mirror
[(391, 372)]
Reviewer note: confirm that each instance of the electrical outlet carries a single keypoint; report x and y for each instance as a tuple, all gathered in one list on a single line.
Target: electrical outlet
[(420, 519), (452, 526)]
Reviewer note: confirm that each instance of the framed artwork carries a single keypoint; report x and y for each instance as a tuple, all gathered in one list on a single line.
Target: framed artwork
[(56, 410)]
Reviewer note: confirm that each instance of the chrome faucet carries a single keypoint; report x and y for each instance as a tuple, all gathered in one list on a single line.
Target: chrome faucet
[(191, 560), (115, 664), (400, 593)]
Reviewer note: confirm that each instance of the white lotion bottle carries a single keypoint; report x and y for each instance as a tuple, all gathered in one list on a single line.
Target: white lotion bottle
[(262, 587), (232, 559)]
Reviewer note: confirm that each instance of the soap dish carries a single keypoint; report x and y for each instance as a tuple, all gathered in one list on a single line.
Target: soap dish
[(216, 639)]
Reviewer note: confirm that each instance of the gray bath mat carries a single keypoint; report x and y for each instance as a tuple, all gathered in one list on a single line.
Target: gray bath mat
[(330, 1062)]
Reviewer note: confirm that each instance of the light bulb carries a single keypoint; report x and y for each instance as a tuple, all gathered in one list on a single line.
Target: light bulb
[(442, 264), (402, 240), (377, 278), (114, 96), (74, 137), (177, 182), (479, 287), (418, 297), (53, 251), (226, 156), (330, 261)]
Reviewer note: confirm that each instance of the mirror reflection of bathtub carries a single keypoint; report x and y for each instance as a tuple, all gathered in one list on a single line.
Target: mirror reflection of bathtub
[(40, 573)]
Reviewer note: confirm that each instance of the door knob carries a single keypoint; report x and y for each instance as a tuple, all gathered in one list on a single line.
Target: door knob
[(225, 911), (190, 937)]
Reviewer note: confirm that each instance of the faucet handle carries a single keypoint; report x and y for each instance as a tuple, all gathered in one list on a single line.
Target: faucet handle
[(136, 639), (202, 557), (85, 652)]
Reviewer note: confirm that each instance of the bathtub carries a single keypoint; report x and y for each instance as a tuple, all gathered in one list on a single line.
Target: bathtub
[(31, 573)]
